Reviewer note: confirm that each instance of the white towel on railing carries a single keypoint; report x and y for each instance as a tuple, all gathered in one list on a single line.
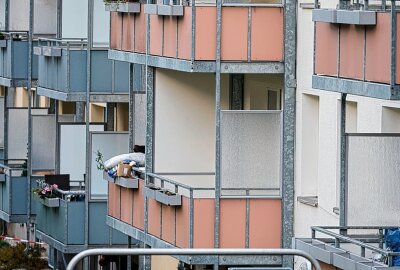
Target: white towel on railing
[(138, 158)]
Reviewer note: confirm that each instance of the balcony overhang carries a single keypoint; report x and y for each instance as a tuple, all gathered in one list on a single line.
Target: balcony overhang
[(13, 218), (354, 87), (197, 66), (155, 242), (81, 96), (7, 82)]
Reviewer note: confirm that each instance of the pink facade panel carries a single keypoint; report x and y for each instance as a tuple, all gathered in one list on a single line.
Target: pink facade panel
[(140, 31), (185, 34), (203, 227), (265, 225), (326, 48), (377, 58), (182, 224), (168, 224), (206, 32), (126, 205), (116, 31), (351, 52), (128, 34), (233, 223), (266, 34), (156, 34), (154, 217), (234, 33), (138, 207), (114, 203), (170, 36)]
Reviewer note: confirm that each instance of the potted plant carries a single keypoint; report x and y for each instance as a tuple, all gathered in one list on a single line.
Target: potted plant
[(47, 195), (122, 6)]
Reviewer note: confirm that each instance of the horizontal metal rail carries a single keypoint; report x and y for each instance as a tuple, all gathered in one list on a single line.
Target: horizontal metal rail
[(190, 252)]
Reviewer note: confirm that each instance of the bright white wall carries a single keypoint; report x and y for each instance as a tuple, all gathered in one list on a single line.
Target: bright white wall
[(74, 18), (101, 24), (185, 121)]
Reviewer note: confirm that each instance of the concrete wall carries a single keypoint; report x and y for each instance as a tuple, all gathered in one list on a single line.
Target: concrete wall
[(256, 88)]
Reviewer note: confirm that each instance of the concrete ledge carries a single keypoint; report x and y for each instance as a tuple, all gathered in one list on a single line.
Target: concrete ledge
[(357, 17), (150, 9), (324, 15), (127, 7), (170, 10)]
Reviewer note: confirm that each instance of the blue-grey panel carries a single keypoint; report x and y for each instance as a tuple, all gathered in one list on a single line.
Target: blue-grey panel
[(119, 238), (3, 62), (7, 70), (33, 185), (41, 216), (42, 76), (62, 72), (76, 219), (19, 195), (99, 232), (138, 82), (20, 59), (6, 195), (56, 221), (2, 188), (121, 77), (77, 71), (35, 64), (101, 72)]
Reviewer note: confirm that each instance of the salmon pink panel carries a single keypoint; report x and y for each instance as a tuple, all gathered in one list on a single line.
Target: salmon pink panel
[(203, 227), (326, 48), (138, 206), (185, 34), (168, 224), (377, 58), (265, 223), (126, 205), (170, 43), (114, 203), (140, 31), (233, 223), (351, 52), (234, 33), (116, 31), (128, 35), (154, 217), (266, 34), (398, 51), (182, 223), (156, 33), (206, 33)]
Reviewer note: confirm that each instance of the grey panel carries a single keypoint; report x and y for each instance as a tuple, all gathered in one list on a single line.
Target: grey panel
[(359, 17), (62, 72), (76, 219), (324, 15), (2, 14), (43, 142), (45, 17), (110, 145), (78, 71), (1, 122), (17, 133), (122, 77), (20, 60), (140, 119), (19, 196), (101, 72), (74, 16), (138, 80), (373, 180), (99, 232), (250, 150)]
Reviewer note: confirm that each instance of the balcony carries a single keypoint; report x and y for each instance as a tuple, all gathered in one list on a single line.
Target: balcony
[(63, 72), (14, 49), (185, 40), (354, 55)]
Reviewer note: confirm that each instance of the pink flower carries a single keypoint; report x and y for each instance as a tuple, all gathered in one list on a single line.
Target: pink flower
[(43, 191), (55, 186), (46, 188)]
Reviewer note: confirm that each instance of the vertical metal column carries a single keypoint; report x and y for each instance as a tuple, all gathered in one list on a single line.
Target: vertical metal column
[(87, 110), (7, 15), (237, 86), (132, 124), (343, 182), (289, 118), (29, 86), (8, 103), (393, 43), (80, 111), (218, 130), (110, 116)]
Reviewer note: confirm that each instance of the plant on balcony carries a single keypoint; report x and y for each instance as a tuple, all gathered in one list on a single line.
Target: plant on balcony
[(114, 2), (100, 161), (46, 191)]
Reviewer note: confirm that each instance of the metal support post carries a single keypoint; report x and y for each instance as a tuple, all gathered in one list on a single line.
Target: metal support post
[(80, 111), (110, 116), (343, 182), (237, 86), (393, 43), (289, 126), (132, 124)]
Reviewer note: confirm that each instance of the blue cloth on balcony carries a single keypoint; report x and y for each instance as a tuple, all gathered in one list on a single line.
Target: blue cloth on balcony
[(392, 239)]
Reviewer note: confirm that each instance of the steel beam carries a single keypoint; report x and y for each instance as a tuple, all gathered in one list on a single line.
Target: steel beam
[(343, 172)]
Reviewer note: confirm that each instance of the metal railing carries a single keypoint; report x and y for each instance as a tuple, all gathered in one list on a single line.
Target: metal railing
[(80, 43), (342, 236), (190, 252)]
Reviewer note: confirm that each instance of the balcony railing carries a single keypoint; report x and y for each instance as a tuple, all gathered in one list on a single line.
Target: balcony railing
[(63, 71)]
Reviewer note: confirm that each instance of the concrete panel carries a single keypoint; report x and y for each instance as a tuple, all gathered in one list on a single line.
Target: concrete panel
[(326, 48), (377, 66), (206, 32), (357, 17), (265, 223), (234, 31), (154, 218), (128, 35), (203, 229), (185, 34), (233, 223), (266, 34), (351, 54), (170, 36), (140, 31), (182, 224), (127, 205), (116, 31), (168, 224), (138, 204), (324, 15), (156, 34)]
